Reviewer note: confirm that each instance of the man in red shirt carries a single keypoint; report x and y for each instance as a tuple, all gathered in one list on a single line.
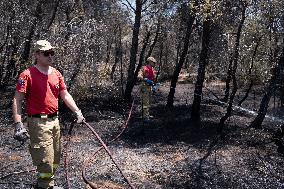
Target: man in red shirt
[(148, 75), (41, 85)]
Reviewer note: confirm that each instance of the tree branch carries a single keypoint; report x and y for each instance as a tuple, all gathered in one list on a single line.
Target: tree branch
[(129, 5), (152, 3), (143, 2)]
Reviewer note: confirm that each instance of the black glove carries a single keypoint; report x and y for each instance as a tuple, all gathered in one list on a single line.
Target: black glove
[(20, 132)]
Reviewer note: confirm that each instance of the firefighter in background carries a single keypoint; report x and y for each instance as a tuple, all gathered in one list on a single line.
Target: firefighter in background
[(148, 75), (41, 85)]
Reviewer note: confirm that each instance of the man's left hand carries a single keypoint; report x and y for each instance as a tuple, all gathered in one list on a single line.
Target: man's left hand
[(80, 117)]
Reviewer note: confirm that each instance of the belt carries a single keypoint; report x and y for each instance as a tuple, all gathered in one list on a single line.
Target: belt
[(44, 116)]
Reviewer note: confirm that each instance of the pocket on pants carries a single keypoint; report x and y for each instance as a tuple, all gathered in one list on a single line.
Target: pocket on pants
[(37, 153), (41, 154)]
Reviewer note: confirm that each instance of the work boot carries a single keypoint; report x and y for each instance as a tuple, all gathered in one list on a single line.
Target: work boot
[(148, 118)]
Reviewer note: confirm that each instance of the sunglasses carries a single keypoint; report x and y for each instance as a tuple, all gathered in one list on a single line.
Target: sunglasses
[(47, 53)]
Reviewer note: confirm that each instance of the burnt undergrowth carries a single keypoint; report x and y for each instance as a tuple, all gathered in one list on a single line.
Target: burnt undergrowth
[(168, 152)]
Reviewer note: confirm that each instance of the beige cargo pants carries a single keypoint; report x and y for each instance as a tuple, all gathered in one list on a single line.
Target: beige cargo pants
[(146, 92), (45, 148)]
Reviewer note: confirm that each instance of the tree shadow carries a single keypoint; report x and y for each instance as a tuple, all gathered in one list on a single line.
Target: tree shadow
[(169, 126)]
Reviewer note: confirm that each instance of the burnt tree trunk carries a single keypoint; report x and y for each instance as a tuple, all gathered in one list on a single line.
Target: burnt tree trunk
[(232, 57), (228, 79), (155, 40), (11, 67), (142, 55), (250, 73), (2, 49), (108, 51), (203, 61), (189, 24), (133, 50), (8, 29), (121, 63), (234, 69), (160, 59), (118, 51), (68, 12), (276, 71), (3, 70), (53, 14), (77, 69), (27, 45)]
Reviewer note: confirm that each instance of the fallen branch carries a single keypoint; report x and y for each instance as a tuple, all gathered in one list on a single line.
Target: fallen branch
[(16, 173), (244, 110)]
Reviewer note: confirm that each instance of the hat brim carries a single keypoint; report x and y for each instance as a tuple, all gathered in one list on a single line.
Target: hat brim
[(46, 48)]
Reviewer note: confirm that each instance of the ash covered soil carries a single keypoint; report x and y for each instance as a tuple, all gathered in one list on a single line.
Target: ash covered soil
[(169, 152)]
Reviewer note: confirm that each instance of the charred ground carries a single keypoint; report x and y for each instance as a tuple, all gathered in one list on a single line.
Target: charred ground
[(169, 152)]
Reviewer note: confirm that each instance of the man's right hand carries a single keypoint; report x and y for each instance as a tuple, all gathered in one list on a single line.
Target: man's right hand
[(148, 81), (20, 133)]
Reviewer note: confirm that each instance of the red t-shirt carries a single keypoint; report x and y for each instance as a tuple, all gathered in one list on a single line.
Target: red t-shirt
[(41, 90), (149, 72)]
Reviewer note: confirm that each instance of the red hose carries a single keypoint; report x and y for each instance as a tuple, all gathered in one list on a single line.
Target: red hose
[(108, 152)]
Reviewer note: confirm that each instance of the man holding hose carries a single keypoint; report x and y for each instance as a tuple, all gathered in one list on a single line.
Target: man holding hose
[(41, 86)]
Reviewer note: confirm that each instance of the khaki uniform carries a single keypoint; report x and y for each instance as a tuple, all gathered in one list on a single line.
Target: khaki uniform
[(45, 148), (146, 92), (41, 86)]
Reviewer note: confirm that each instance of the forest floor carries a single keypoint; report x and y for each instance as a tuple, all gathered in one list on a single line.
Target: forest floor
[(169, 152)]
